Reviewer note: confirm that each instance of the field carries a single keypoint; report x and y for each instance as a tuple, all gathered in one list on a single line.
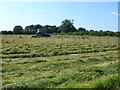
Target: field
[(60, 61)]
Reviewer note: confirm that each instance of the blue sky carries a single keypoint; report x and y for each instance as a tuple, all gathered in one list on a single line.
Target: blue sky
[(90, 15)]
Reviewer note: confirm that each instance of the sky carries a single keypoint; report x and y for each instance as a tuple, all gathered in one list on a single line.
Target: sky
[(90, 15)]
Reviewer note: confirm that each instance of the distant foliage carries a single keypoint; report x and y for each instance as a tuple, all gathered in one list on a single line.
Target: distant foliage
[(66, 28), (81, 29), (6, 32), (32, 29), (18, 30), (51, 29)]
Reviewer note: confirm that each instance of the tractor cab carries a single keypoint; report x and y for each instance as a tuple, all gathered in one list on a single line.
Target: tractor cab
[(40, 33)]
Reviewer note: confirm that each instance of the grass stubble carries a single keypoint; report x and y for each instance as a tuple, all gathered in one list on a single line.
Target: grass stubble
[(60, 61)]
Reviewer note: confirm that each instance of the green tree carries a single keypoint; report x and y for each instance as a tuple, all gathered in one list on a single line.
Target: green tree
[(50, 29), (32, 29), (81, 29), (17, 30), (67, 26), (110, 33), (4, 32), (27, 30), (10, 32), (46, 28), (38, 26)]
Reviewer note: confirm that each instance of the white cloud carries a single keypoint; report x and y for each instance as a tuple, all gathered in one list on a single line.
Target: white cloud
[(115, 13)]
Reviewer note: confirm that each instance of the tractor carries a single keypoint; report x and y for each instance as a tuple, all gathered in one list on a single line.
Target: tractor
[(40, 33)]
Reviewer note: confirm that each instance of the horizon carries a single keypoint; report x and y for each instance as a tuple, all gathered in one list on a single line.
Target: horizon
[(89, 15)]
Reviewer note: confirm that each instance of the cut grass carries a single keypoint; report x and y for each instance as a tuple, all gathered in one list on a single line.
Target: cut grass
[(105, 82), (59, 62)]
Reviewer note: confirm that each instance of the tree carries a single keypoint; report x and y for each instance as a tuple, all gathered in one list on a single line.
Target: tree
[(17, 30), (10, 32), (110, 33), (50, 29), (81, 29), (67, 26), (46, 28), (38, 26), (27, 30), (4, 32), (32, 29)]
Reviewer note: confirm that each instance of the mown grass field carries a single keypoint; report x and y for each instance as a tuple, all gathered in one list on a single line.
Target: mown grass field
[(60, 61)]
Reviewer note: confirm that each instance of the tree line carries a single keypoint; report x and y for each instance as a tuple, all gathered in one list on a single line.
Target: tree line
[(66, 27)]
